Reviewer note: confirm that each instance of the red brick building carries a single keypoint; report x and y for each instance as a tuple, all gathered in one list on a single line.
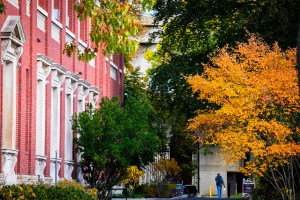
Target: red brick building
[(41, 88)]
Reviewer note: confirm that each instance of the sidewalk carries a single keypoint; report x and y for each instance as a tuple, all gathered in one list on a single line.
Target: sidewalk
[(180, 197)]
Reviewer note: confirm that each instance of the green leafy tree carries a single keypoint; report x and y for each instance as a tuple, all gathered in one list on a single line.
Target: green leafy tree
[(113, 25), (136, 89), (193, 30), (192, 25), (175, 104), (112, 139), (256, 88)]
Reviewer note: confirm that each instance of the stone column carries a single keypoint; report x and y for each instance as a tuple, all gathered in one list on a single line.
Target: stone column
[(43, 70), (94, 96), (70, 87), (83, 92), (13, 38), (57, 78)]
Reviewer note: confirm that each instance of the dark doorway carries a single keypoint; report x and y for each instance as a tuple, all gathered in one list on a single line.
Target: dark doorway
[(235, 180)]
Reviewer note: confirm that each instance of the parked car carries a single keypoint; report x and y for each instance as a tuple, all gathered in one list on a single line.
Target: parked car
[(179, 189)]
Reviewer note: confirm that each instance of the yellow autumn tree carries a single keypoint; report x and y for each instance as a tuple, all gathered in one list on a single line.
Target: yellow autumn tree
[(168, 169), (133, 178), (255, 89)]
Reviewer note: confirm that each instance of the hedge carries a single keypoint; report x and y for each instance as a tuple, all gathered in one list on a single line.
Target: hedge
[(45, 192)]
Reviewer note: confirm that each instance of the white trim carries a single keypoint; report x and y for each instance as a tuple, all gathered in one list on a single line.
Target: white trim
[(82, 42), (15, 3), (28, 2), (70, 33), (114, 65), (113, 72), (111, 63), (57, 23), (92, 62), (42, 11)]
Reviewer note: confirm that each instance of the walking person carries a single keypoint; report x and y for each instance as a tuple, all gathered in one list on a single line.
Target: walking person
[(219, 182)]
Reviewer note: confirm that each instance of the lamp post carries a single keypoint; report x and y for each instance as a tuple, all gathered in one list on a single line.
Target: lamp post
[(56, 160)]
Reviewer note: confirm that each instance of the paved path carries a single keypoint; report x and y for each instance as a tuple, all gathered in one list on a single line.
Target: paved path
[(179, 198), (202, 198)]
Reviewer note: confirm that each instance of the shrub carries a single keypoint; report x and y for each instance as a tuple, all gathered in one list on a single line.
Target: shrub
[(159, 189), (45, 192)]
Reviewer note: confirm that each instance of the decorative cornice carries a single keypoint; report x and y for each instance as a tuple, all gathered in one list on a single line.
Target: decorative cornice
[(72, 76), (44, 59), (71, 82), (57, 75), (83, 89), (95, 90), (59, 68), (84, 83), (94, 94), (12, 29), (43, 66)]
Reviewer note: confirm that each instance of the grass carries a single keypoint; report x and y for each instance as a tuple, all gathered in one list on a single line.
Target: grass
[(235, 196), (239, 195)]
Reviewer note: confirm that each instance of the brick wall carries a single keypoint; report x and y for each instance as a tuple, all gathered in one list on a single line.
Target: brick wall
[(40, 42)]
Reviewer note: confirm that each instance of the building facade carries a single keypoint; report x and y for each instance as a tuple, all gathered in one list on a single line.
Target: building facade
[(209, 165), (41, 88)]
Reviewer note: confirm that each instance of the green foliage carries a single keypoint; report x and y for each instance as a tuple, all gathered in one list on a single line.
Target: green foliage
[(265, 191), (78, 186), (167, 169), (194, 25), (113, 138), (159, 190), (136, 92), (175, 103), (2, 7), (42, 191), (192, 31), (114, 23)]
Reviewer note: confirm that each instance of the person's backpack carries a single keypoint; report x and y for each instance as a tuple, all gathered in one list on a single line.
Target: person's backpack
[(219, 180)]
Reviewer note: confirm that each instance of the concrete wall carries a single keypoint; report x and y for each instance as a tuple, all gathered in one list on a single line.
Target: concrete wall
[(209, 166)]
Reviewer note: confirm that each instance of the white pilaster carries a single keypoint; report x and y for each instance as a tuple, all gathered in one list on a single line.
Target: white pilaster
[(71, 84), (52, 168), (83, 92), (13, 38), (94, 93), (57, 78), (43, 70), (40, 165)]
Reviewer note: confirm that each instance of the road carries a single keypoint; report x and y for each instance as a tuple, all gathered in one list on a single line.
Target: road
[(178, 198), (202, 198)]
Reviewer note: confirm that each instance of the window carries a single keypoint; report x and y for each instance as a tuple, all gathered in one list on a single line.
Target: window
[(41, 19), (55, 32), (113, 72), (56, 9)]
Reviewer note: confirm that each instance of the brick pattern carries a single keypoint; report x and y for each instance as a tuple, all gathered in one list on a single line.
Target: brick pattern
[(39, 42)]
